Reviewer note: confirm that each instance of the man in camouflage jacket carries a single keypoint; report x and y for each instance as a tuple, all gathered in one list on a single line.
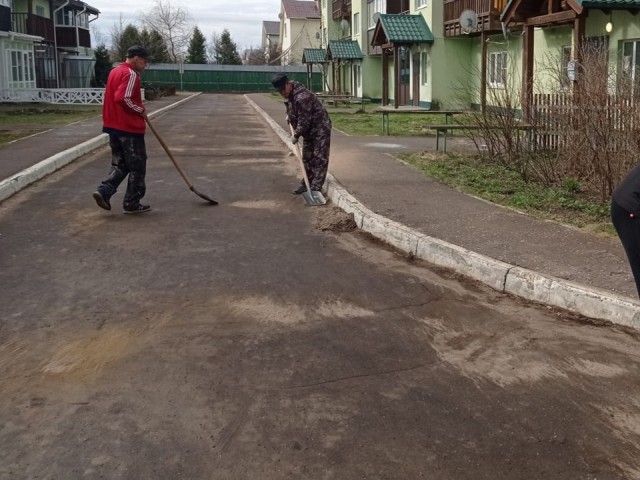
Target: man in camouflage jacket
[(309, 120)]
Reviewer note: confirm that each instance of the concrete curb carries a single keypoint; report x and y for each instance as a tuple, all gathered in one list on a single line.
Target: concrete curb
[(501, 276), (26, 177)]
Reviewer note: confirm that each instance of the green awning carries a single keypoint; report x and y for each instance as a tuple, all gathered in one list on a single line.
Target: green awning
[(344, 50), (401, 29), (314, 55)]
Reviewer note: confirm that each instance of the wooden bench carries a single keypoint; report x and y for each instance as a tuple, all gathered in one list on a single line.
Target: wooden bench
[(344, 99), (386, 111), (334, 98), (444, 129)]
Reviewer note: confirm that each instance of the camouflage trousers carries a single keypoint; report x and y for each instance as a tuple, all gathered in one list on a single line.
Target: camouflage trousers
[(128, 157), (315, 155)]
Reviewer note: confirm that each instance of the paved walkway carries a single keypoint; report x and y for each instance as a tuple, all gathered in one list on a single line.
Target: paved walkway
[(512, 252)]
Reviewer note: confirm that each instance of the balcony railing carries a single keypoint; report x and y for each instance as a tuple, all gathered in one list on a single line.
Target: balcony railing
[(32, 25), (341, 9), (488, 12)]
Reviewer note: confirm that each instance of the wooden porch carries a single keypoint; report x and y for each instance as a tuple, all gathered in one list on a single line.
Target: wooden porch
[(488, 12)]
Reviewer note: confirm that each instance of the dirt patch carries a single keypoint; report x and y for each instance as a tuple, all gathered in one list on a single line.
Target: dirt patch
[(332, 219)]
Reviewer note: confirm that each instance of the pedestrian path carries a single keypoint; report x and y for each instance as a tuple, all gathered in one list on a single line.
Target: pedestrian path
[(29, 159), (511, 252)]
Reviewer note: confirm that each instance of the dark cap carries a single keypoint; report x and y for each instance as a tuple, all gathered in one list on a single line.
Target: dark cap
[(137, 51), (279, 81)]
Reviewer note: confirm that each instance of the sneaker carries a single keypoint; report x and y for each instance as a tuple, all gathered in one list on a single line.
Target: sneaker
[(101, 201), (138, 209), (301, 189)]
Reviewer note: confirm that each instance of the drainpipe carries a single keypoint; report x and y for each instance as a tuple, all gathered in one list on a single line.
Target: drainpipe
[(55, 42)]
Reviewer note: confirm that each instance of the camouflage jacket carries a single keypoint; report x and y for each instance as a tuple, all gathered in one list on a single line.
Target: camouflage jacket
[(305, 111)]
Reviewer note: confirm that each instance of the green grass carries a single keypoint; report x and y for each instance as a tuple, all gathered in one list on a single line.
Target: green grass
[(562, 203), (566, 203), (363, 124), (38, 114)]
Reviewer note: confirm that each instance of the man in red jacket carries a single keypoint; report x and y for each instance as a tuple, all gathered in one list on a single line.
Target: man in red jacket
[(124, 119)]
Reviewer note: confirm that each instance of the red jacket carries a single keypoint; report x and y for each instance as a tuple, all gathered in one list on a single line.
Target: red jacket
[(122, 108)]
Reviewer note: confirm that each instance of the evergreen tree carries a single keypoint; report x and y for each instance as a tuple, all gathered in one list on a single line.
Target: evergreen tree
[(130, 36), (102, 67), (227, 53), (196, 52), (155, 44)]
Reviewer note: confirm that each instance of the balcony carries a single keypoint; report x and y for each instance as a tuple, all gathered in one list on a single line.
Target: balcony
[(66, 37), (488, 12), (341, 9), (32, 25)]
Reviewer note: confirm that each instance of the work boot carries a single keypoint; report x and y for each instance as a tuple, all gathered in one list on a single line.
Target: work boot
[(301, 189), (138, 209), (102, 201)]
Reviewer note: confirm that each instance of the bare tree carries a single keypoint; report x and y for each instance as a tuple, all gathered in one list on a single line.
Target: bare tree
[(175, 25), (256, 56)]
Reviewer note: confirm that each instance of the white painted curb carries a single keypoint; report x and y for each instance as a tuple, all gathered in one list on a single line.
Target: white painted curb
[(501, 276), (26, 177)]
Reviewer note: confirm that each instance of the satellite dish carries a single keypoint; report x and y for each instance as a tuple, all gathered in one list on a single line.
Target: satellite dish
[(344, 25), (376, 17), (468, 21)]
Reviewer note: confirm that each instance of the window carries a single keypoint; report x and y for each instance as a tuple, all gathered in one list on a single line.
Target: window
[(421, 3), (631, 60), (373, 7), (498, 69), (424, 67), (65, 17), (357, 75), (285, 30), (83, 20), (356, 23), (22, 73)]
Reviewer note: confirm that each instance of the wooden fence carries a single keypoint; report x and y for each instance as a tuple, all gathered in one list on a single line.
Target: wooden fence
[(558, 119)]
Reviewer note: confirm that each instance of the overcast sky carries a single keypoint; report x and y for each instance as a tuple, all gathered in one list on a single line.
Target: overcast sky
[(243, 18)]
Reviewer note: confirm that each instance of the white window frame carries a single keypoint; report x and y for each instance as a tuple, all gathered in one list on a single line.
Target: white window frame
[(421, 4), (356, 23), (21, 69), (424, 67), (357, 73), (497, 69)]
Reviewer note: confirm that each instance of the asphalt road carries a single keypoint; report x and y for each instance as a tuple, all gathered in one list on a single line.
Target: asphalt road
[(264, 339)]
